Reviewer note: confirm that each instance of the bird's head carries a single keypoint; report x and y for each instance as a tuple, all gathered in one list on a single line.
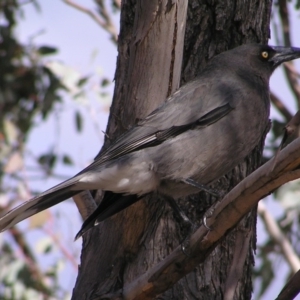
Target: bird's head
[(265, 57)]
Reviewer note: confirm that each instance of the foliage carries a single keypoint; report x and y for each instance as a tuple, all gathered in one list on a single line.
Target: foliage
[(27, 88), (33, 87)]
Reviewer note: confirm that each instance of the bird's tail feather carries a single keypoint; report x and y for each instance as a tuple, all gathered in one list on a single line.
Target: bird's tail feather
[(111, 204), (36, 205)]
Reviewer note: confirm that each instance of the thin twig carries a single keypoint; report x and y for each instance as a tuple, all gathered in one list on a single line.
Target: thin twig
[(62, 248), (110, 27), (281, 107), (293, 70), (292, 78), (30, 260), (116, 4), (105, 23), (280, 239)]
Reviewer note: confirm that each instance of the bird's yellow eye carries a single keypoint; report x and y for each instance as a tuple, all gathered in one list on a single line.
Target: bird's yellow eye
[(265, 54)]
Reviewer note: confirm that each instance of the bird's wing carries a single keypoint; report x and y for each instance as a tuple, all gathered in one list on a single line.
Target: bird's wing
[(186, 109), (110, 205)]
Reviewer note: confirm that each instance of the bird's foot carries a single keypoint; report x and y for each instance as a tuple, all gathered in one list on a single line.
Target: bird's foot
[(206, 216)]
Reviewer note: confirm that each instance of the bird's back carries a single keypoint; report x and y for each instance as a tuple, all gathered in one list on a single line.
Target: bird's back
[(206, 154)]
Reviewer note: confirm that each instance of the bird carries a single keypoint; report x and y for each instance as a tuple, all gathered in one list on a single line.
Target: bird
[(196, 136)]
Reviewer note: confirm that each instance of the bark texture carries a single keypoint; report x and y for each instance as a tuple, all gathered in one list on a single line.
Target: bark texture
[(151, 57)]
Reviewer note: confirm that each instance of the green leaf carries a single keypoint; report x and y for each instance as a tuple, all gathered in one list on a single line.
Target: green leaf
[(277, 128), (78, 121), (44, 245), (67, 160), (46, 50), (105, 82), (48, 160), (82, 81), (288, 195)]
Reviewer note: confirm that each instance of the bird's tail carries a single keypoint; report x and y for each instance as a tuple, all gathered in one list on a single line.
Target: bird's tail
[(111, 204), (37, 204)]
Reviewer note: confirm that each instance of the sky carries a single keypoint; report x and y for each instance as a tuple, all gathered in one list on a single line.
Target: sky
[(84, 46)]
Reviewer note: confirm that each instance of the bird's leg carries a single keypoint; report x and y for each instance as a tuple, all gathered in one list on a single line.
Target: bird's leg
[(179, 212), (185, 222), (202, 187)]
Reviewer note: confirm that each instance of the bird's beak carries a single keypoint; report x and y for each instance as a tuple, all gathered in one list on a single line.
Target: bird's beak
[(284, 54)]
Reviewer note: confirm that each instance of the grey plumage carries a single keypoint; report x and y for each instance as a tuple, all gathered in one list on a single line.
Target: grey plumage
[(201, 132)]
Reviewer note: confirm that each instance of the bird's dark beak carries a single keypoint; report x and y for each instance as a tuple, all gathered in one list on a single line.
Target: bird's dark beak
[(284, 54)]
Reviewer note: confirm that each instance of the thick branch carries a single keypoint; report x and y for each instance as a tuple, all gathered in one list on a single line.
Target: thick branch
[(238, 202)]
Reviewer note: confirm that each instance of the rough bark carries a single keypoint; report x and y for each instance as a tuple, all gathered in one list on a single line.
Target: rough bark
[(148, 70)]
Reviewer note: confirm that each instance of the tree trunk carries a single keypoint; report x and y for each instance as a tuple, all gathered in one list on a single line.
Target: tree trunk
[(158, 41)]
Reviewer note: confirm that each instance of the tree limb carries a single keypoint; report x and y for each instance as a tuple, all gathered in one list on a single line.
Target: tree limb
[(105, 23), (276, 234), (288, 66), (281, 107), (29, 257), (239, 201), (85, 203), (291, 289)]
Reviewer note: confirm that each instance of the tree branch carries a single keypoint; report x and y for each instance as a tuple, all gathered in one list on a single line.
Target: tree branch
[(238, 202), (117, 3), (288, 66), (64, 250), (85, 203), (276, 234), (291, 289), (281, 107), (105, 23), (110, 27), (30, 260)]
